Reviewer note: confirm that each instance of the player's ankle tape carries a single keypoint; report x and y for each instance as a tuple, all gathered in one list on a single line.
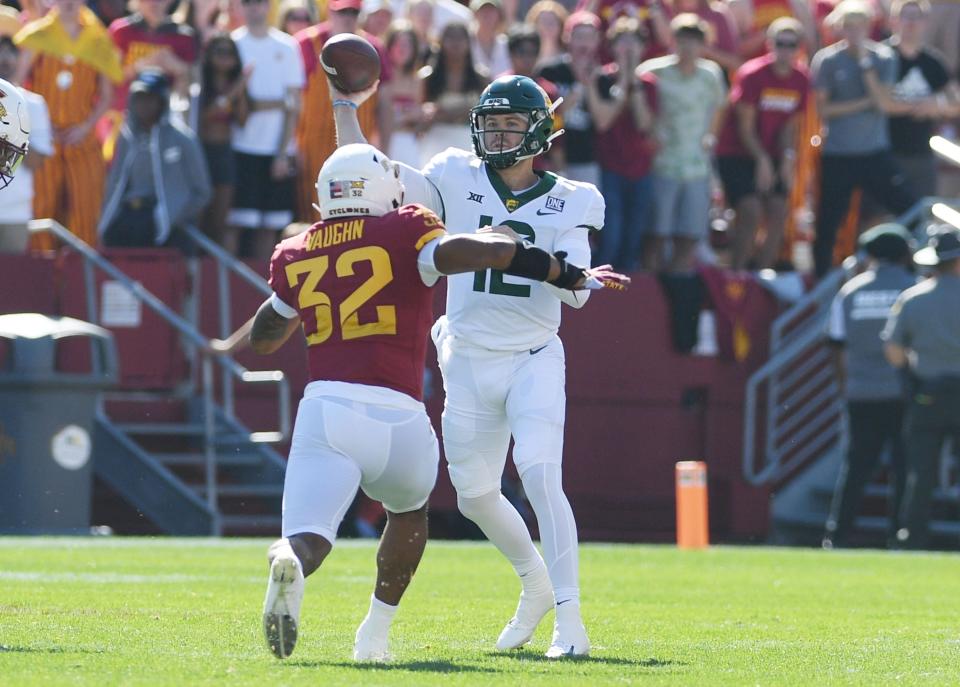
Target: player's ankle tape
[(530, 262)]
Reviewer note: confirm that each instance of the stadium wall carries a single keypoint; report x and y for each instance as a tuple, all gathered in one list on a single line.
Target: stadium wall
[(635, 406)]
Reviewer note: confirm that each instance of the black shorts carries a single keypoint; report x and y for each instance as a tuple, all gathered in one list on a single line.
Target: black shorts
[(222, 163), (739, 178), (259, 200)]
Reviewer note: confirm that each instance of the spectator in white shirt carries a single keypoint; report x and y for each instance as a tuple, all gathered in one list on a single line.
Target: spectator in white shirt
[(264, 145), (488, 43)]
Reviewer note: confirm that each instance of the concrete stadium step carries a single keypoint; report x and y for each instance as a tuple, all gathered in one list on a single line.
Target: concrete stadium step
[(241, 490), (158, 428), (865, 523), (878, 490), (199, 459), (192, 429), (250, 524)]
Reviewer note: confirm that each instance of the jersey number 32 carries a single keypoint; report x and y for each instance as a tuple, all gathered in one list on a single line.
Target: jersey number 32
[(314, 269)]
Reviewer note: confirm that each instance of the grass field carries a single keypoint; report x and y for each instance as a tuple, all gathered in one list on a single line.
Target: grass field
[(187, 612)]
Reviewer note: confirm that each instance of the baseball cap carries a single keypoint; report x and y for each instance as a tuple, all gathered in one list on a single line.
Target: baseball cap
[(150, 81), (887, 241), (944, 245), (9, 21), (340, 5), (475, 5), (580, 18), (371, 6)]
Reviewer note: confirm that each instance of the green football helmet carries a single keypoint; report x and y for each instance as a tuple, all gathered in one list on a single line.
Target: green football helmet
[(514, 94)]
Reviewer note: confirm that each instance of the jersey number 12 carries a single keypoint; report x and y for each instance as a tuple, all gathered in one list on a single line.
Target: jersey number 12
[(498, 286)]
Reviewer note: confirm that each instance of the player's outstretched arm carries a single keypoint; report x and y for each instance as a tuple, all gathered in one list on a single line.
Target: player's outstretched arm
[(234, 343), (471, 252), (270, 329), (265, 332), (345, 106)]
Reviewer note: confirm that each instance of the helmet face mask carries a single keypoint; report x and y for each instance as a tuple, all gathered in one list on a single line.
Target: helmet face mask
[(358, 179), (10, 159), (14, 131), (500, 140), (512, 95)]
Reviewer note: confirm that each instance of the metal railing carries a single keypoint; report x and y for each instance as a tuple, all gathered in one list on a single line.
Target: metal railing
[(794, 413), (231, 368), (226, 264)]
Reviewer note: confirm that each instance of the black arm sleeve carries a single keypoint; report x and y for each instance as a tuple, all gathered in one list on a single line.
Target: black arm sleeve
[(569, 274), (530, 262)]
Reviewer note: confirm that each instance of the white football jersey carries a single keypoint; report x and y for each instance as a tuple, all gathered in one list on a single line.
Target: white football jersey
[(488, 308)]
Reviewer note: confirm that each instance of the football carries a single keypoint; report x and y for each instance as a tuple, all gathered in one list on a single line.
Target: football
[(351, 62)]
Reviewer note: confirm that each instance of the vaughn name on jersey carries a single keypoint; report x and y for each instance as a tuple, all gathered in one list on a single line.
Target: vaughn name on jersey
[(488, 308)]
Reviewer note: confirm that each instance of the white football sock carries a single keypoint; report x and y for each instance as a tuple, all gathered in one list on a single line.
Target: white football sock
[(558, 530), (504, 527), (379, 617)]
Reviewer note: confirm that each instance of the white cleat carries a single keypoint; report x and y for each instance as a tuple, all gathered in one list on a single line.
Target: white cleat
[(281, 608), (569, 640), (530, 611), (368, 646)]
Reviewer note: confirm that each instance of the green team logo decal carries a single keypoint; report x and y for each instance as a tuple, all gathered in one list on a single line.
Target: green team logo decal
[(498, 286)]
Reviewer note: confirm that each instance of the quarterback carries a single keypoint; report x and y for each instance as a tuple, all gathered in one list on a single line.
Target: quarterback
[(358, 282), (14, 131), (501, 359)]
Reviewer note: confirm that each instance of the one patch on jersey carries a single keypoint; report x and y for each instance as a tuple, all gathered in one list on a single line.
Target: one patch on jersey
[(511, 204), (554, 204), (475, 197)]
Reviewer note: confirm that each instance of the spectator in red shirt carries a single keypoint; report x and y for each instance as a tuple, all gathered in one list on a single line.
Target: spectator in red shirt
[(621, 103), (315, 133), (151, 39), (755, 151)]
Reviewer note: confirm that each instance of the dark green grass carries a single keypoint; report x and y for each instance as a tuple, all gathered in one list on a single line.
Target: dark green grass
[(187, 612)]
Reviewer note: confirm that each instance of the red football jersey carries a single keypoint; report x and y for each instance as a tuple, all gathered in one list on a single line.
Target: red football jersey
[(775, 98), (365, 310), (136, 40)]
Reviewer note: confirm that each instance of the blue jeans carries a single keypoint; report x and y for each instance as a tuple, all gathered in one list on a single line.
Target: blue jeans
[(626, 220)]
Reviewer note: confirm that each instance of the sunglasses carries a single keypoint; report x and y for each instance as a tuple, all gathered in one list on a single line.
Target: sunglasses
[(253, 2), (298, 17), (787, 45)]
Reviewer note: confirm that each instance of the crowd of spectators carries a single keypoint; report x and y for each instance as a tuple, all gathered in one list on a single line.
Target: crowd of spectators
[(152, 115)]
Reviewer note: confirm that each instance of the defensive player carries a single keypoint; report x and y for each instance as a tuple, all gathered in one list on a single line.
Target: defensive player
[(501, 359), (14, 131), (359, 283)]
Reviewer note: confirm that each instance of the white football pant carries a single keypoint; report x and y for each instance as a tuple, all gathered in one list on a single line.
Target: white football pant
[(352, 435)]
